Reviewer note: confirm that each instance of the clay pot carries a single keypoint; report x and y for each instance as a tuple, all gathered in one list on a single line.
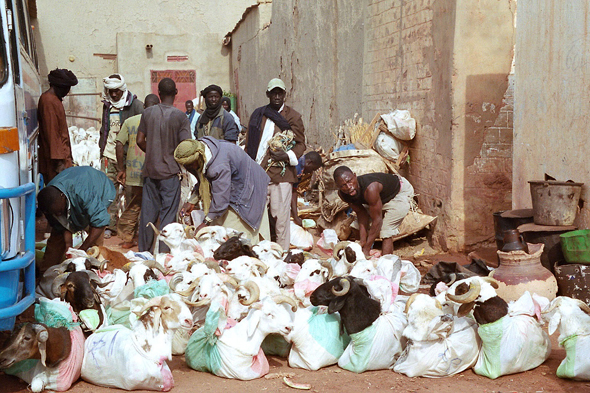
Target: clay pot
[(520, 272), (513, 241)]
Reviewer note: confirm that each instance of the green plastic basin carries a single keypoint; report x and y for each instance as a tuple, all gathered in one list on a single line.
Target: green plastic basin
[(575, 246)]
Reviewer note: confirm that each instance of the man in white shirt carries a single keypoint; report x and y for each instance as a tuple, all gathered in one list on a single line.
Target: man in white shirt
[(265, 122)]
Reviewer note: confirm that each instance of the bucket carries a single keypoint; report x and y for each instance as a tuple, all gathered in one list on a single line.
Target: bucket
[(575, 246), (554, 202)]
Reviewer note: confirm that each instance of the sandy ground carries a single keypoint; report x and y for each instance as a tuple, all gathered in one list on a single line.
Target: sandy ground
[(334, 379)]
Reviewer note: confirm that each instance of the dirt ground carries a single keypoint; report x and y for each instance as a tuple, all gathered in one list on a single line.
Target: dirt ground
[(334, 379)]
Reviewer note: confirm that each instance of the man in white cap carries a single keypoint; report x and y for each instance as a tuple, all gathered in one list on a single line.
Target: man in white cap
[(119, 105), (266, 122)]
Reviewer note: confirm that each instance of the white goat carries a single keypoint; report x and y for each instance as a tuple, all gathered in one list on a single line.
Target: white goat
[(421, 310), (135, 358), (238, 347), (313, 273), (345, 255), (211, 237)]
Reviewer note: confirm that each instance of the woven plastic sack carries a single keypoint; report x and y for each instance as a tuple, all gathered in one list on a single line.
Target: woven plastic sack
[(377, 347), (152, 289), (113, 358), (300, 238), (514, 343), (276, 345), (576, 364), (453, 347), (387, 146), (316, 339), (400, 124)]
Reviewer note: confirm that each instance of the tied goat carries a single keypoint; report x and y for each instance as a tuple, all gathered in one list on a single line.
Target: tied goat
[(237, 352), (135, 358), (572, 317), (313, 273), (375, 340)]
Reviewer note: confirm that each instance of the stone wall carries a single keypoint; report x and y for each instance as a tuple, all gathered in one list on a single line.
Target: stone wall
[(552, 100)]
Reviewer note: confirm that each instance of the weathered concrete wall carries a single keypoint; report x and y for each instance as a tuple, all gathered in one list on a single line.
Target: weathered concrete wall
[(77, 34), (552, 100), (316, 47), (448, 63)]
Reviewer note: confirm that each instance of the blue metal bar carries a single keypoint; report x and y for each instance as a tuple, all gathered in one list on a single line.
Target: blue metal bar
[(26, 261)]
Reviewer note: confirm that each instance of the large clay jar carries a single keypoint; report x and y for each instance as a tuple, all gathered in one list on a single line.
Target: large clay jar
[(520, 272)]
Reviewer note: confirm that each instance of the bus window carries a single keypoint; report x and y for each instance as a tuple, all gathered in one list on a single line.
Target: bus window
[(22, 26), (14, 53), (3, 59)]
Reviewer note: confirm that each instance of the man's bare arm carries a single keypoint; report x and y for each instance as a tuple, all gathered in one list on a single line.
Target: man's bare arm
[(373, 198)]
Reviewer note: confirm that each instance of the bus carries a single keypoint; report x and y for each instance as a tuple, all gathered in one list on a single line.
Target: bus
[(20, 88)]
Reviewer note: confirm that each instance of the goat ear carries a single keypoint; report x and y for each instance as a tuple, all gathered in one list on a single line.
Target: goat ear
[(62, 291), (554, 323), (465, 309), (336, 304), (253, 321)]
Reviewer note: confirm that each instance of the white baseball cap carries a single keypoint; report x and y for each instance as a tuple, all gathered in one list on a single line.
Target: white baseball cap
[(276, 82)]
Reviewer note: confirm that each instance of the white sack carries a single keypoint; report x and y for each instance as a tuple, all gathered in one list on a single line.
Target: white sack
[(400, 124), (387, 146), (300, 238)]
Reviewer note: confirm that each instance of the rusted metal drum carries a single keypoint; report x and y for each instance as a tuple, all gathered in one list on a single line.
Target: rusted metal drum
[(554, 202), (520, 272)]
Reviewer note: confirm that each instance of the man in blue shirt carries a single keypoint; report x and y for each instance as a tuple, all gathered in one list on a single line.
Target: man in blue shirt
[(76, 199)]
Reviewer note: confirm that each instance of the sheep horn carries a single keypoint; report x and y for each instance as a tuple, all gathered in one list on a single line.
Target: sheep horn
[(254, 291), (453, 278), (263, 268), (493, 282), (328, 266), (57, 283), (190, 231), (103, 266), (469, 296), (93, 252), (175, 280), (156, 230), (583, 306), (278, 299), (41, 331), (203, 231), (277, 247), (213, 265), (154, 264), (200, 303), (187, 292), (126, 267), (155, 301), (228, 280), (410, 301), (345, 287), (339, 246)]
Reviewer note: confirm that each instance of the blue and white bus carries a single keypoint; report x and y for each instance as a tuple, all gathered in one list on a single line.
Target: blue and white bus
[(20, 88)]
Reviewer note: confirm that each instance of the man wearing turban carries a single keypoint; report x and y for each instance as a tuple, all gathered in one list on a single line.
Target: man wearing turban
[(55, 151), (232, 186), (216, 121), (119, 105)]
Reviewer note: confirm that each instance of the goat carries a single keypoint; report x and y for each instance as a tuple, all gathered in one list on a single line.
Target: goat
[(115, 259), (142, 272), (375, 340), (345, 255), (210, 238), (234, 247), (572, 317), (421, 309), (174, 235), (238, 348), (478, 293), (58, 349), (139, 361)]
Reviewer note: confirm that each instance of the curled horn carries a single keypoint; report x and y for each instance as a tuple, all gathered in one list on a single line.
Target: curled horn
[(175, 280), (155, 301), (103, 266), (190, 231), (261, 265), (187, 292), (277, 247), (200, 303), (228, 280), (41, 331), (583, 306), (410, 301), (204, 231), (339, 246), (156, 230), (213, 265), (93, 252), (328, 266), (469, 296), (278, 299), (453, 277), (345, 284), (493, 282), (154, 264), (254, 291), (57, 283)]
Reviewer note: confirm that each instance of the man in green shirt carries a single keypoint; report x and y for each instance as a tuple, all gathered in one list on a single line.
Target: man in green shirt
[(130, 160)]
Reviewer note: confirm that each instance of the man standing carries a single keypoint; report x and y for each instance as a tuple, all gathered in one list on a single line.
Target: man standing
[(192, 114), (161, 129), (55, 151), (387, 197), (226, 104), (76, 199), (129, 164), (119, 105), (266, 122), (232, 186), (306, 165), (216, 121)]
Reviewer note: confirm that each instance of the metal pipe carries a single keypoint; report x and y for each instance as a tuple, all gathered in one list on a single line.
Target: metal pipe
[(84, 117)]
